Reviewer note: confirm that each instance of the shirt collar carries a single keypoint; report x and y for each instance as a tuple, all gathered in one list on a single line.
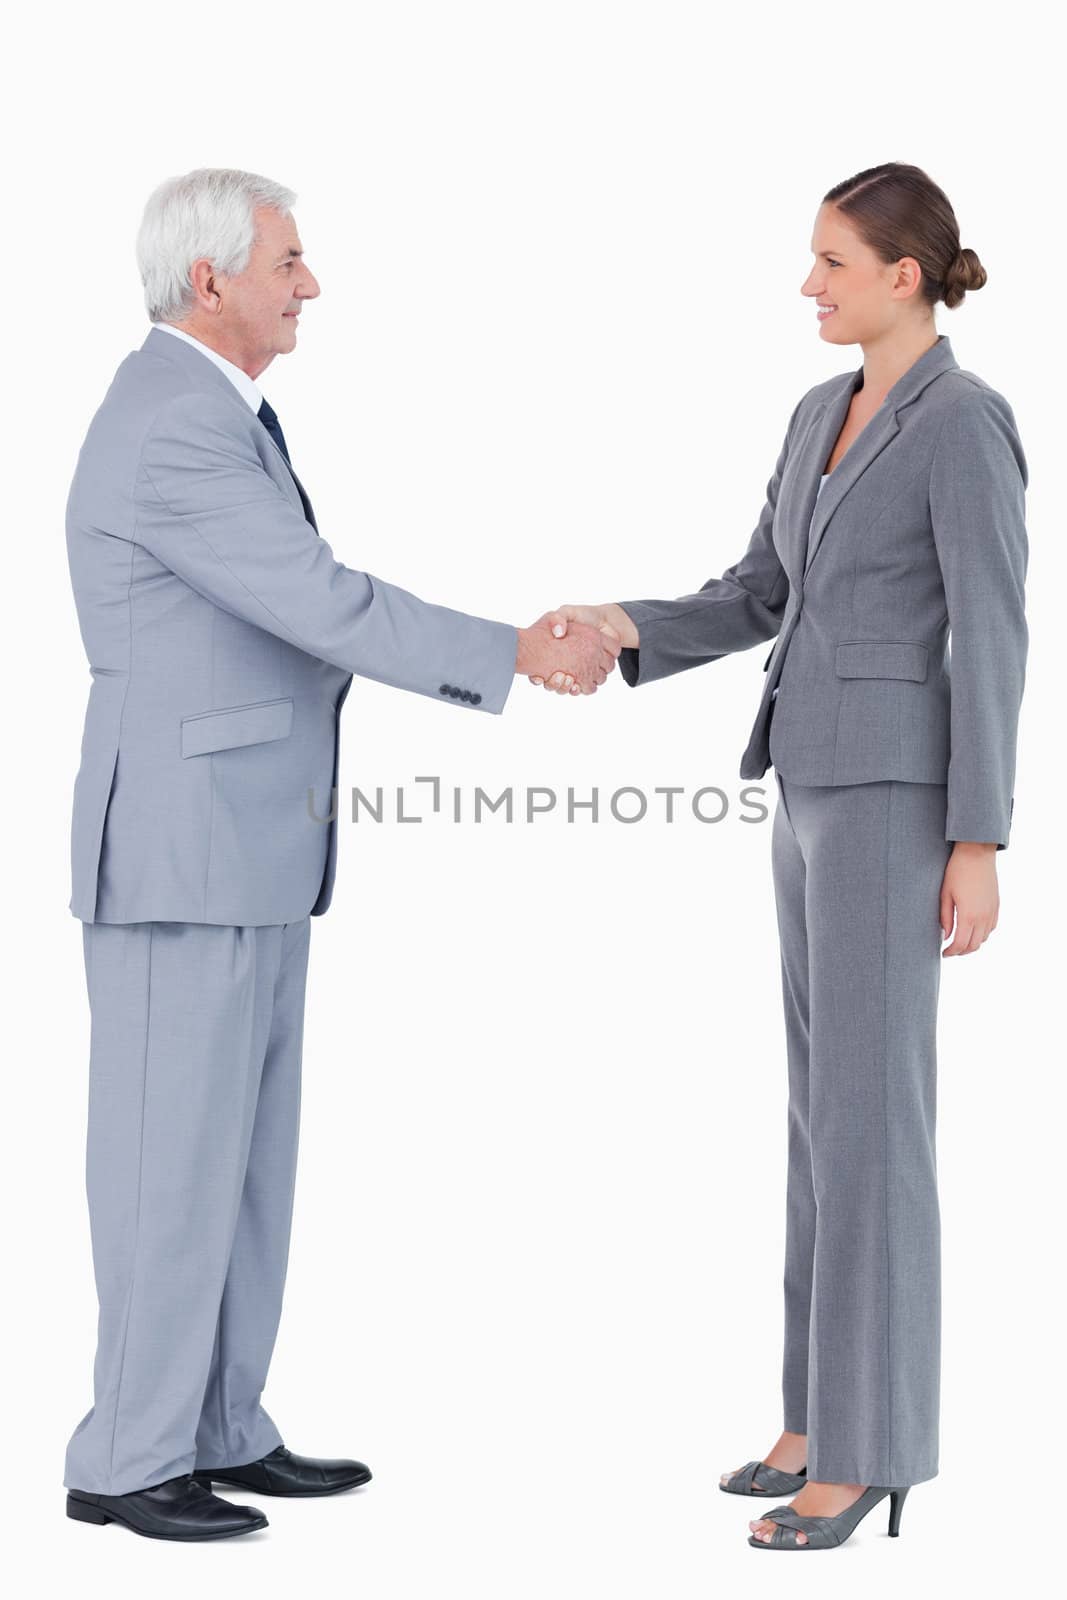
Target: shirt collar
[(246, 388)]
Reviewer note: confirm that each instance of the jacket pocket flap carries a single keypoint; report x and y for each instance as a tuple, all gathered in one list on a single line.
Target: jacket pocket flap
[(236, 725), (882, 658)]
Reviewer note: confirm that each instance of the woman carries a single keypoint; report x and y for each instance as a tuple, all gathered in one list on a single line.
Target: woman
[(895, 513)]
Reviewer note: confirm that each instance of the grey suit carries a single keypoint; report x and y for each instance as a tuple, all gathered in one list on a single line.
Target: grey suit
[(887, 746), (222, 636), (919, 530)]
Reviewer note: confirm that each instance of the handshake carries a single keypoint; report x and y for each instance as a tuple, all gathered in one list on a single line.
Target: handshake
[(571, 650)]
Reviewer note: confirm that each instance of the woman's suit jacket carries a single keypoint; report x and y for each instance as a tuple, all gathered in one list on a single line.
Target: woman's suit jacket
[(919, 531)]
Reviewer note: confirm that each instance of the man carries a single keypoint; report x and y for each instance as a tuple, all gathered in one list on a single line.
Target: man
[(222, 636)]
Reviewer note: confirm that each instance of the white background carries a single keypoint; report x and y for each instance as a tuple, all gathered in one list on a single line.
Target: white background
[(536, 1267)]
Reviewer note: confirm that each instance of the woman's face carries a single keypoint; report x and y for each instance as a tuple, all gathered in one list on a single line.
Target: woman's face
[(869, 296)]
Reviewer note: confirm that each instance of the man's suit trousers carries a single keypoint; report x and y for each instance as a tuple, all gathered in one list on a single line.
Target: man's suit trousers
[(857, 872), (193, 1121)]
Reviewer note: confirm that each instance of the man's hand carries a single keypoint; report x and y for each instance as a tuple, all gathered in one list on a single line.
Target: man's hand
[(969, 888), (578, 657), (610, 619)]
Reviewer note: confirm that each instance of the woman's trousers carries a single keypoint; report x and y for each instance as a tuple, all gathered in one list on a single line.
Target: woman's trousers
[(857, 874)]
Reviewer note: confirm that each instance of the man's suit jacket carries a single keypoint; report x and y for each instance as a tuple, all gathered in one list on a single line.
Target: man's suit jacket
[(222, 636), (919, 532)]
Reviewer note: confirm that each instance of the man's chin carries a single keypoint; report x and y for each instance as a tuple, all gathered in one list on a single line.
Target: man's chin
[(286, 338)]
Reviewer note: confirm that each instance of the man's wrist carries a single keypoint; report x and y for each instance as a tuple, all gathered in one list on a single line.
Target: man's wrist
[(525, 653)]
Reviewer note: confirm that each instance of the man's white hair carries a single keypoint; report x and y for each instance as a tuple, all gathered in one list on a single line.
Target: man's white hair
[(207, 213)]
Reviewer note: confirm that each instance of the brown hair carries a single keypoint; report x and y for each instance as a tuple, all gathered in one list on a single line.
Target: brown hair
[(898, 211)]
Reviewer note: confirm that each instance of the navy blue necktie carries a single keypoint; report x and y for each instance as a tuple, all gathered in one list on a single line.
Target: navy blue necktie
[(269, 418)]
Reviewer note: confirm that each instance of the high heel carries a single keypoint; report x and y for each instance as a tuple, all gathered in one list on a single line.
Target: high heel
[(825, 1533), (896, 1506)]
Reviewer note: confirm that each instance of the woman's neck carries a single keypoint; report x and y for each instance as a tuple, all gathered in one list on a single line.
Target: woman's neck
[(886, 359)]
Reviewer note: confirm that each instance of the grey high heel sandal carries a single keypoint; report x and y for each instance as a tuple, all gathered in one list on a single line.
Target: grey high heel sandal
[(825, 1533), (757, 1478)]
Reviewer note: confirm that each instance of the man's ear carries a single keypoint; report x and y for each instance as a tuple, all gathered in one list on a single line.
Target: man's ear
[(202, 277)]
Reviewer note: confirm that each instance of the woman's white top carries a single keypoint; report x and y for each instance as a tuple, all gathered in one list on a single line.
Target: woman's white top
[(818, 492)]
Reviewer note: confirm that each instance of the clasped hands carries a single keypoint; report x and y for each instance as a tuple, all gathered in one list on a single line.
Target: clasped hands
[(571, 650)]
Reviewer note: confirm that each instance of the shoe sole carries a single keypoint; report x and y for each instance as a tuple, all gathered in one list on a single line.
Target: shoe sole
[(756, 1494), (85, 1511), (758, 1544), (761, 1494), (281, 1494)]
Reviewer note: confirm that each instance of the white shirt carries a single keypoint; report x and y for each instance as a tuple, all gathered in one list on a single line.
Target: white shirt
[(244, 385), (818, 492)]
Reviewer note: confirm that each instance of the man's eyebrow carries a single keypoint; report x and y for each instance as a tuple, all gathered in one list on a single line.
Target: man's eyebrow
[(292, 252), (834, 253)]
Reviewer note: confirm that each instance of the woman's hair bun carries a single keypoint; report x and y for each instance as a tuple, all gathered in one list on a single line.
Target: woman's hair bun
[(966, 272)]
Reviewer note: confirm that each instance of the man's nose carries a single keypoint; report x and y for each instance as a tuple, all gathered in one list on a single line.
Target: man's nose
[(309, 288)]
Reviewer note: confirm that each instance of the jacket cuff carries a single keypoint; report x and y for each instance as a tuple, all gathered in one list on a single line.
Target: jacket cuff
[(976, 828), (644, 664)]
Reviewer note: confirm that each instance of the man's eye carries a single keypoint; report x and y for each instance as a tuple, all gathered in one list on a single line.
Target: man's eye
[(833, 263)]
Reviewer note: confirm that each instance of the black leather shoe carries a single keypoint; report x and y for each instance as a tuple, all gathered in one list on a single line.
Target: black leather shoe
[(282, 1472), (178, 1509)]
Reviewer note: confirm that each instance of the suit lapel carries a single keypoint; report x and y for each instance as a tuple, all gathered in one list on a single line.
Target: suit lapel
[(305, 503), (882, 427), (815, 447), (879, 432)]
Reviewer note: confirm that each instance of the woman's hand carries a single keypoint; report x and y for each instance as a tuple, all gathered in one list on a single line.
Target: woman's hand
[(970, 889), (612, 621)]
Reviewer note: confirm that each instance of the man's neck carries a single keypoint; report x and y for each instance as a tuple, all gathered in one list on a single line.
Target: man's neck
[(246, 386), (207, 334)]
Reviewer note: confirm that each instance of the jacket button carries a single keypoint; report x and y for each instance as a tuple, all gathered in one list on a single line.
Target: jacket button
[(465, 694), (444, 689), (455, 693), (476, 699)]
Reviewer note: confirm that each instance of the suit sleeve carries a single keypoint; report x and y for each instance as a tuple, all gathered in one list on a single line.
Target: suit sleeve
[(208, 510), (978, 481), (742, 608)]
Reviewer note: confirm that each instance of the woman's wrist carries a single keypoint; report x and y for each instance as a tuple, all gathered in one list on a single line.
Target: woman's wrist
[(624, 625)]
